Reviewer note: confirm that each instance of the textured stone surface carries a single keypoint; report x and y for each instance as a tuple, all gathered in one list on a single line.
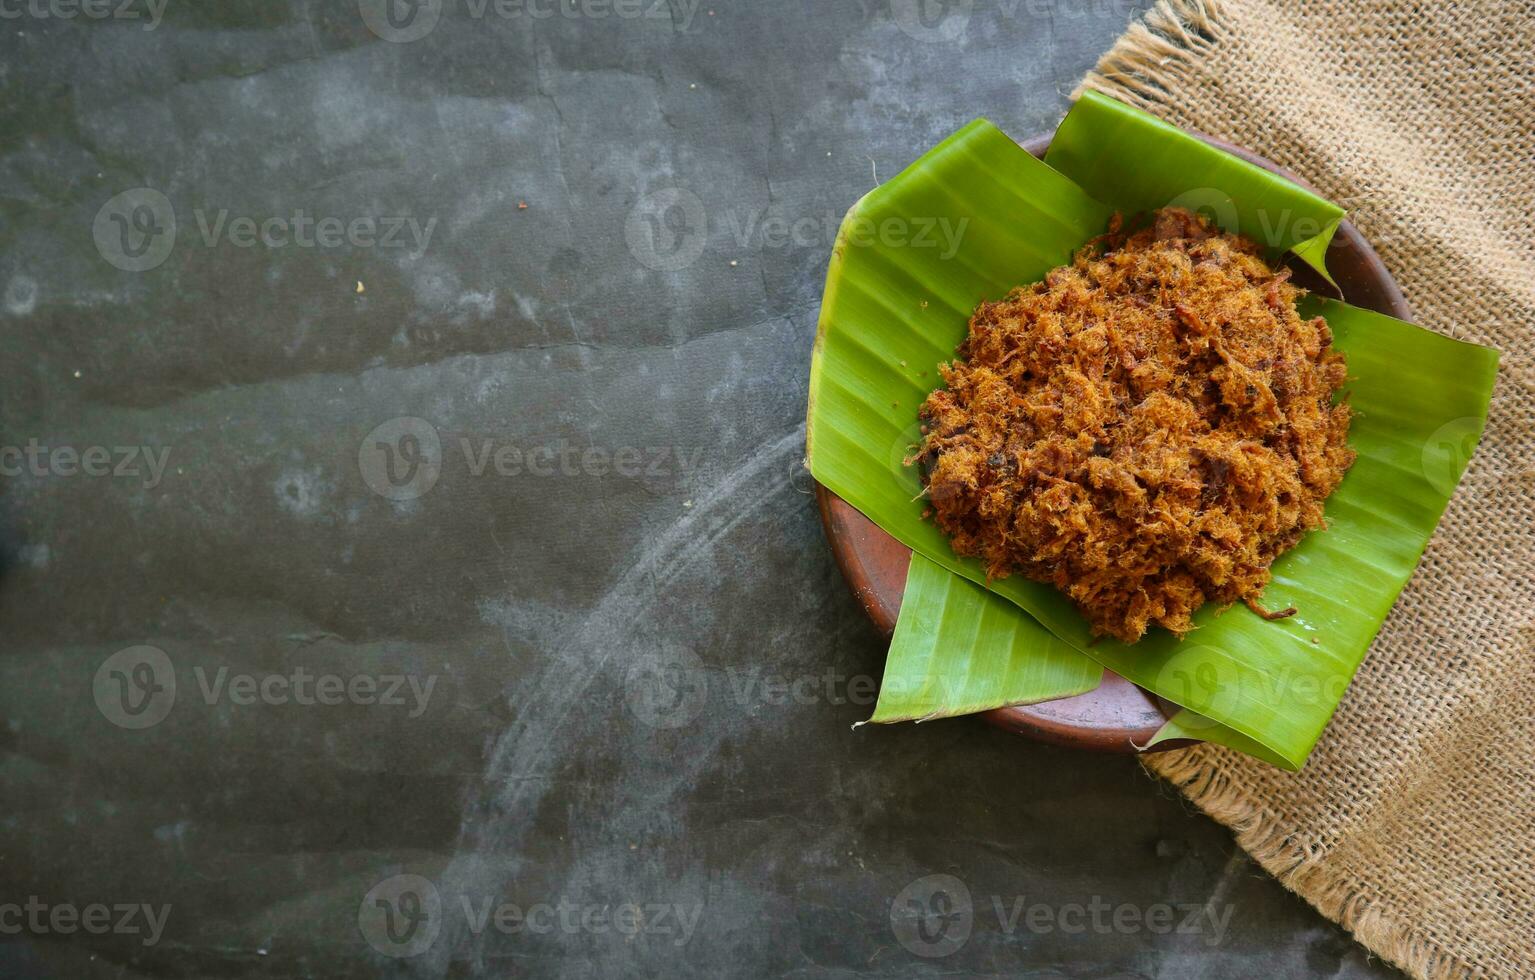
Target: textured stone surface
[(642, 663)]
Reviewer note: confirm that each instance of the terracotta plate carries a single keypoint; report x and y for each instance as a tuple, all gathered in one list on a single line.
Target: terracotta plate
[(1118, 715)]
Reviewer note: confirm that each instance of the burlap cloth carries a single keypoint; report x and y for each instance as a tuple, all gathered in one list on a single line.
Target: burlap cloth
[(1414, 822)]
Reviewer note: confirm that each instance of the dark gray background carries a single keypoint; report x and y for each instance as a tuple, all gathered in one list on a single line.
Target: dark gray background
[(556, 613)]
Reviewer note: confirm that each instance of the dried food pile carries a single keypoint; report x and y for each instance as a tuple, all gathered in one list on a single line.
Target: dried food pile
[(1146, 430)]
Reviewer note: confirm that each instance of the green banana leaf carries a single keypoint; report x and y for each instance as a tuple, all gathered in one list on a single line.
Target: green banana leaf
[(893, 309), (1188, 724), (1137, 162), (958, 649)]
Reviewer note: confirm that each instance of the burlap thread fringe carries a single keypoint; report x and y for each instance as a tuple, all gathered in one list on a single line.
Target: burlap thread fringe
[(1155, 56), (1344, 901)]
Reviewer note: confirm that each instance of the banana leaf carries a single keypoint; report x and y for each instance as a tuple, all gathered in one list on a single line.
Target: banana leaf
[(1188, 724), (958, 649), (1137, 162), (893, 309)]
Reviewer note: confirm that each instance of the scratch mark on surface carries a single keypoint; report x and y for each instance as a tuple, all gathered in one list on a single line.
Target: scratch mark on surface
[(494, 823)]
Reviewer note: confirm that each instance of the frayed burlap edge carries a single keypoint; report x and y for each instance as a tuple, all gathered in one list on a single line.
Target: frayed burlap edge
[(1151, 61), (1339, 898), (1146, 68)]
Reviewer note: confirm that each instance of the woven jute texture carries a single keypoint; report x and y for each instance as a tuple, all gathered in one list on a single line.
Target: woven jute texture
[(1413, 824)]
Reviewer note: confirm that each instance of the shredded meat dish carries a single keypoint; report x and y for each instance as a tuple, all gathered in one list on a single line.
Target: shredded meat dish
[(1146, 430)]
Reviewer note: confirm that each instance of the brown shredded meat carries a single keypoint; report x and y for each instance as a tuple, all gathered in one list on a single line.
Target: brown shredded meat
[(1146, 430)]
